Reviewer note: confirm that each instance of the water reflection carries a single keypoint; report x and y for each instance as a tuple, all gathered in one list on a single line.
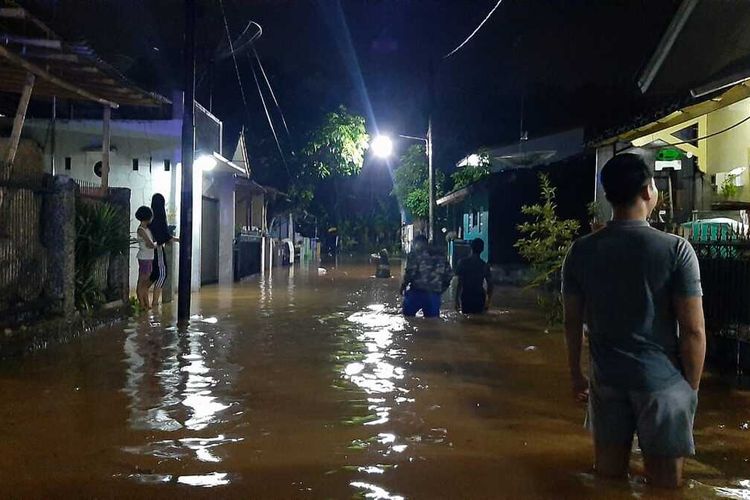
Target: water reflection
[(741, 492), (370, 358), (152, 376), (203, 480), (372, 491), (347, 399), (178, 382), (373, 365)]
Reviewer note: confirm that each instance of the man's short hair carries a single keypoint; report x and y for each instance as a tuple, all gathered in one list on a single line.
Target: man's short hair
[(623, 177), (477, 245)]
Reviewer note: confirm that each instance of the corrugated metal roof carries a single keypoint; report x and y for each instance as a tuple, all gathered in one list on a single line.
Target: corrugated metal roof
[(64, 70)]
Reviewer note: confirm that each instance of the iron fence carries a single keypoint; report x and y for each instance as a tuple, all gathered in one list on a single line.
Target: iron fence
[(724, 256)]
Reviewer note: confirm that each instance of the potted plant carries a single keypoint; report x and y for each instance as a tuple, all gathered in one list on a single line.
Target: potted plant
[(595, 218), (729, 190)]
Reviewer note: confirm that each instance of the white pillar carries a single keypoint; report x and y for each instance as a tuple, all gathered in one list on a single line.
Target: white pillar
[(225, 190), (195, 280)]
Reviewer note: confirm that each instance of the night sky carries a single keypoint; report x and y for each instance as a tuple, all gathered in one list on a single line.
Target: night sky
[(567, 62)]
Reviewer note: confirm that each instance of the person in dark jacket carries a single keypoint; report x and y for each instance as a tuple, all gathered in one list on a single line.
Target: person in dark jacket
[(162, 237), (428, 274)]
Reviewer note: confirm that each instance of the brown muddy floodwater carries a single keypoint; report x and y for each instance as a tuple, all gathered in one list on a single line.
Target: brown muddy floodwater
[(313, 386)]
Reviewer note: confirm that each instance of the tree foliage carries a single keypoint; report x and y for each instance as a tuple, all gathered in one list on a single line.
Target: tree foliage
[(338, 146), (470, 174), (545, 242), (411, 182), (372, 229), (334, 151)]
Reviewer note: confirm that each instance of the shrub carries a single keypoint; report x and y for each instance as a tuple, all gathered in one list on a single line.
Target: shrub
[(545, 242)]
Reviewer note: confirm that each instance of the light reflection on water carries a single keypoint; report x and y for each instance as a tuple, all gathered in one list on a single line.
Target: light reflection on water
[(177, 382), (339, 399), (373, 363), (372, 491), (202, 480), (742, 492)]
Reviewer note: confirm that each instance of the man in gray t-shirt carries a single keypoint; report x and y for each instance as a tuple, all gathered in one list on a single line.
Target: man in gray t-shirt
[(638, 291)]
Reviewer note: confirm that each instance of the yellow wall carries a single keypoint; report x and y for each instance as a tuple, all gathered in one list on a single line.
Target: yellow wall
[(731, 149)]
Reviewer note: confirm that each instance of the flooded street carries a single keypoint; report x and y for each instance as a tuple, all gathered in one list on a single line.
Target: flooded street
[(313, 386)]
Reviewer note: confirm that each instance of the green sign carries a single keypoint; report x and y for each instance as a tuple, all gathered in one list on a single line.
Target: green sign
[(669, 154)]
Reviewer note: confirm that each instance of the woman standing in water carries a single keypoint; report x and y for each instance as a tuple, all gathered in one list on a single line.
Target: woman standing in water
[(162, 237)]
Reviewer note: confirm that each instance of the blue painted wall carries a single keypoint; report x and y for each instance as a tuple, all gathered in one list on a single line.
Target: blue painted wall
[(477, 219)]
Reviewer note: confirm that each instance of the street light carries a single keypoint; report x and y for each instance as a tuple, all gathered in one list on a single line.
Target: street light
[(382, 146), (206, 163)]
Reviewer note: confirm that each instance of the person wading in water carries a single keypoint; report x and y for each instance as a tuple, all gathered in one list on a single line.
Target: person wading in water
[(639, 292)]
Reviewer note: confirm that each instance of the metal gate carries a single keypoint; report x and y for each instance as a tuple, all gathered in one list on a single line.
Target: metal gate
[(210, 241)]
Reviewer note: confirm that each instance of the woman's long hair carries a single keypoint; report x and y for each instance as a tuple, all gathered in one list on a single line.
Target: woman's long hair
[(159, 228)]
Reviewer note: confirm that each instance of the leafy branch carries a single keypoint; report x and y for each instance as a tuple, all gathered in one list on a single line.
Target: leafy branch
[(545, 242)]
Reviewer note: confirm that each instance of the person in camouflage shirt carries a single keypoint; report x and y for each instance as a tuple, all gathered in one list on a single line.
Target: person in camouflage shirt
[(428, 274)]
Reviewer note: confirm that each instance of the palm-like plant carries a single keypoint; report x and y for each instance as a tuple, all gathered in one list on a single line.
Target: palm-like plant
[(101, 232)]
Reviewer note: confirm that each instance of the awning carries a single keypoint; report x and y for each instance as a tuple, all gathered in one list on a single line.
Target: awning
[(735, 94), (250, 185), (454, 197), (225, 166), (63, 70)]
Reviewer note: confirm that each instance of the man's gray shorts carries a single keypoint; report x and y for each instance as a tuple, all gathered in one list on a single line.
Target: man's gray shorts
[(662, 419)]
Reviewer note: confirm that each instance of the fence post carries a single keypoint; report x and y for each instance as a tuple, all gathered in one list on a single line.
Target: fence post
[(118, 275), (59, 234)]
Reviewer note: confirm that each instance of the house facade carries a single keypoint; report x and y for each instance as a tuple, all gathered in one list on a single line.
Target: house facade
[(707, 141), (145, 156), (490, 209)]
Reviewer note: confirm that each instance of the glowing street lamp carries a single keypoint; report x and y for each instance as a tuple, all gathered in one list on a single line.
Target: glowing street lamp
[(382, 146), (205, 162)]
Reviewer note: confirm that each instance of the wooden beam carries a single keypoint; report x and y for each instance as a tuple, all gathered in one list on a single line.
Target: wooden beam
[(34, 42), (15, 136), (49, 56), (106, 137), (13, 13), (45, 75), (20, 13)]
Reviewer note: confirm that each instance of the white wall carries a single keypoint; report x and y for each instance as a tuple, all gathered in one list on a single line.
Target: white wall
[(731, 149), (220, 186), (151, 142)]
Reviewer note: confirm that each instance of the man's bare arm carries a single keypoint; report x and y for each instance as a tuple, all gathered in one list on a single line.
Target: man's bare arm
[(573, 308), (689, 311)]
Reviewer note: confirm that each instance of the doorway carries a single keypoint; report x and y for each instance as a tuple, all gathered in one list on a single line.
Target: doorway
[(210, 241)]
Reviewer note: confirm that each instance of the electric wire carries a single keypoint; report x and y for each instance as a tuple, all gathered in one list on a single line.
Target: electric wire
[(270, 89), (257, 83), (268, 116), (234, 57), (476, 30), (747, 118)]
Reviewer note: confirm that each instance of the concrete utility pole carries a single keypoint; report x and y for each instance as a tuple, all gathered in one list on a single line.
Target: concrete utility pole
[(431, 180), (188, 147), (431, 171)]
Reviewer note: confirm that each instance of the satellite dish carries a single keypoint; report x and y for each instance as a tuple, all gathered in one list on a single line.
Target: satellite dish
[(526, 159), (252, 32)]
